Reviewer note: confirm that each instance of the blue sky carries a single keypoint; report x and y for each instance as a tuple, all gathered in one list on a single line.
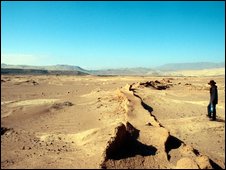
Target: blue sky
[(96, 35)]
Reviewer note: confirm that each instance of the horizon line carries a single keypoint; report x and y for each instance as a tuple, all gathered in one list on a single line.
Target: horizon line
[(126, 67)]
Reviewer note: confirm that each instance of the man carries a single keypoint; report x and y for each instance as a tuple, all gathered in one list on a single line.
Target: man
[(213, 100)]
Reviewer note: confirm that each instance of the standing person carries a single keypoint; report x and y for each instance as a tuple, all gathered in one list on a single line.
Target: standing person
[(213, 100)]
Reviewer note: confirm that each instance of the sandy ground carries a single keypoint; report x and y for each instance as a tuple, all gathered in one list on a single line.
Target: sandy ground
[(110, 122)]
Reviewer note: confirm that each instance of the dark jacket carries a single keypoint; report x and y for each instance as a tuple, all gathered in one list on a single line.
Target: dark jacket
[(213, 94)]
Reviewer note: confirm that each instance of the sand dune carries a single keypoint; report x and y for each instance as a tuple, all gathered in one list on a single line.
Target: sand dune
[(79, 122)]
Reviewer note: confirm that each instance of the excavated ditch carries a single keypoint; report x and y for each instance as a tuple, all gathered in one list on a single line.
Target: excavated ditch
[(125, 150)]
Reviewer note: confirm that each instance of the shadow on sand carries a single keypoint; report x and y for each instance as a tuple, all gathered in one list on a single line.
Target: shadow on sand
[(220, 120), (133, 148)]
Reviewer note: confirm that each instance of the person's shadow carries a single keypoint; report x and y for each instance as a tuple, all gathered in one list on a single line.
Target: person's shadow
[(220, 120)]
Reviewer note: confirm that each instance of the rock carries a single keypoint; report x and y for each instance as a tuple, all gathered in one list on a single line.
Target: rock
[(156, 81), (61, 105), (35, 83), (4, 130), (67, 103), (203, 162), (186, 163)]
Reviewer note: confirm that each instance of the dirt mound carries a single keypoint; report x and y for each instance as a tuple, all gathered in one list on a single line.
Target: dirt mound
[(158, 85), (61, 105)]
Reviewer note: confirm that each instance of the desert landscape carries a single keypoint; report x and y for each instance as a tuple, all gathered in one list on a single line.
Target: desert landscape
[(67, 121), (112, 85)]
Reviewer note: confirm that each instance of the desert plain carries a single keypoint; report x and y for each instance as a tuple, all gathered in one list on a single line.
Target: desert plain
[(60, 121)]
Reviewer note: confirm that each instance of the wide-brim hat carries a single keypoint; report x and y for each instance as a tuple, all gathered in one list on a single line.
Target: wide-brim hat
[(212, 82)]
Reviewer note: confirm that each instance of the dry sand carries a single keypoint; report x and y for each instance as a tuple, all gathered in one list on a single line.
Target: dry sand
[(110, 122)]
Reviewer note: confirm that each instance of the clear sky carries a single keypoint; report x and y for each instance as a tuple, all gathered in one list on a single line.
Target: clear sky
[(95, 35)]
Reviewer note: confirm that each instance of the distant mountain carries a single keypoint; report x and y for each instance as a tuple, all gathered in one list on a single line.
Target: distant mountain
[(160, 70), (55, 69), (164, 70), (40, 72), (122, 71), (190, 66)]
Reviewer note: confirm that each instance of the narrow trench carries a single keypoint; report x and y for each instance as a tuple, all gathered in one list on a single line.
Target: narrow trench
[(172, 142), (214, 165), (145, 106)]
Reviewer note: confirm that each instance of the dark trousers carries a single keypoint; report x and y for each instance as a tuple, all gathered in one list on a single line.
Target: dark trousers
[(213, 112)]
